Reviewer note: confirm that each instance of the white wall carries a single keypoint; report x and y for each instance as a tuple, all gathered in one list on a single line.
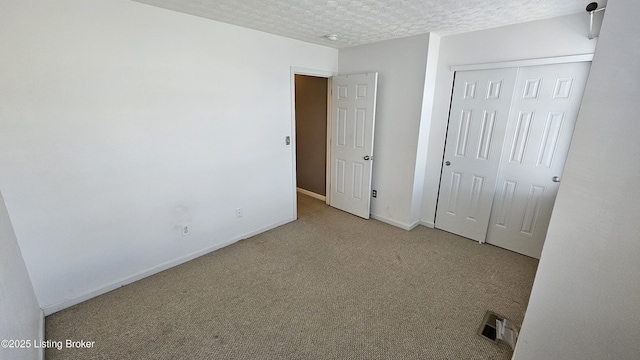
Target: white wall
[(567, 35), (120, 121), (431, 71), (19, 310), (401, 65), (585, 302)]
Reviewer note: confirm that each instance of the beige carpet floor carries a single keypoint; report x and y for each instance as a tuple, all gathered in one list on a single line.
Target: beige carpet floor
[(327, 286)]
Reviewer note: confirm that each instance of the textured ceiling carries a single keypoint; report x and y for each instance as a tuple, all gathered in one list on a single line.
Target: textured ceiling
[(358, 22)]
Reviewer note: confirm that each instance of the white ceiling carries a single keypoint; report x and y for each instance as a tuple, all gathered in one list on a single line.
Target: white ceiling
[(364, 21)]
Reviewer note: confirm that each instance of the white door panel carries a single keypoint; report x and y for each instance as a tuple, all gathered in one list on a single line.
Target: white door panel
[(543, 115), (478, 118), (352, 127)]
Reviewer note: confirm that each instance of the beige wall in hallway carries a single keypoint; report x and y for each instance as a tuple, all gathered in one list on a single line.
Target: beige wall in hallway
[(311, 133)]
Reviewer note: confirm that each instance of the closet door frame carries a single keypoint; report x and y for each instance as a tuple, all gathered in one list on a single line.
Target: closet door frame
[(528, 62)]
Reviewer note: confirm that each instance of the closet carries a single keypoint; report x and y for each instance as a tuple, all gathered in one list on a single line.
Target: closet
[(507, 140)]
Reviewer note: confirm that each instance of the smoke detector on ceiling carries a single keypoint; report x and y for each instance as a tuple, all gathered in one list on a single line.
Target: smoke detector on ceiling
[(332, 37)]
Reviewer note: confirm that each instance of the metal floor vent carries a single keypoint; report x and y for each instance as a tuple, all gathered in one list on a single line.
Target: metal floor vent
[(498, 328), (488, 326)]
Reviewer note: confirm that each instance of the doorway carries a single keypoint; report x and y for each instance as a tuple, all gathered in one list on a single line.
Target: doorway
[(351, 101), (311, 104)]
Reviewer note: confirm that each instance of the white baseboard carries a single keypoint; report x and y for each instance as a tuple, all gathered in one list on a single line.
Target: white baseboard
[(312, 194), (395, 223), (50, 309), (428, 224)]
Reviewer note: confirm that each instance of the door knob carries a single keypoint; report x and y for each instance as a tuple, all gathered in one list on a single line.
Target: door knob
[(447, 163), (367, 157), (555, 179)]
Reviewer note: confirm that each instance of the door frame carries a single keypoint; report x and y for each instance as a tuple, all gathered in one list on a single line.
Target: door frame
[(317, 73)]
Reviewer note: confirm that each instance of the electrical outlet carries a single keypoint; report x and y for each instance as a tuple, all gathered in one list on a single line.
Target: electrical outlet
[(238, 213), (374, 193), (185, 229)]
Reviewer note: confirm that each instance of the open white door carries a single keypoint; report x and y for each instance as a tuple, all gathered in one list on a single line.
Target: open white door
[(353, 108)]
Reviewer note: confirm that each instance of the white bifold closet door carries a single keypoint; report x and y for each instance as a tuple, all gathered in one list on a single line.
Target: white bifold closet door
[(477, 122), (532, 144)]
